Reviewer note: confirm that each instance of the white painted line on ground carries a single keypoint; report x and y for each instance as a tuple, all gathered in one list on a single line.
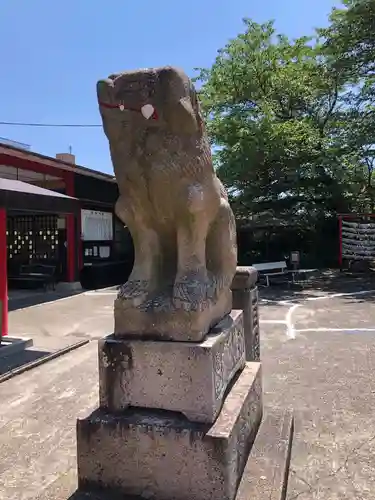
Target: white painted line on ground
[(322, 329), (273, 321), (291, 302), (334, 295), (286, 303), (278, 302), (290, 331), (99, 293)]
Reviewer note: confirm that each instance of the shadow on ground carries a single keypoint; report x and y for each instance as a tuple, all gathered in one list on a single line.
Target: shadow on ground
[(16, 360), (323, 283), (37, 298), (79, 495)]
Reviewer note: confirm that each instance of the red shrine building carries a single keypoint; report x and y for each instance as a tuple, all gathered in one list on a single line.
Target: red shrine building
[(53, 211)]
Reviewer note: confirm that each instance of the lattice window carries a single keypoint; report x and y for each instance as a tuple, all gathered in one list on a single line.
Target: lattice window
[(32, 238)]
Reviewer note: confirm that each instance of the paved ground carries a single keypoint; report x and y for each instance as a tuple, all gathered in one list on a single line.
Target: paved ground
[(88, 314), (318, 353), (38, 410), (18, 299), (55, 320)]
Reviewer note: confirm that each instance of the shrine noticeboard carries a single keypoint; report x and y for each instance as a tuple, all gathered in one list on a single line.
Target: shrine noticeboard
[(96, 226)]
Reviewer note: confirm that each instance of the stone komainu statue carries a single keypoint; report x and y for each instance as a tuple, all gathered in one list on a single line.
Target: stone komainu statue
[(174, 205)]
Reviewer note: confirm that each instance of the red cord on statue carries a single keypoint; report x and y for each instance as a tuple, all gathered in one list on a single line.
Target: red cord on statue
[(148, 110)]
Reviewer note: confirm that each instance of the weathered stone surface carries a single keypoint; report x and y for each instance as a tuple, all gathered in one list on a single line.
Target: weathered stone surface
[(169, 323), (267, 469), (174, 205), (245, 278), (180, 376), (164, 456), (245, 297), (254, 350)]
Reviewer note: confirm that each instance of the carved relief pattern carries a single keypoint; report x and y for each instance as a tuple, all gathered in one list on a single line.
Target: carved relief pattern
[(227, 358), (255, 355), (132, 288), (194, 295)]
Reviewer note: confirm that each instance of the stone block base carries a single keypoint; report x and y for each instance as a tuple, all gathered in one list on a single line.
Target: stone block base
[(162, 455), (187, 377), (10, 345)]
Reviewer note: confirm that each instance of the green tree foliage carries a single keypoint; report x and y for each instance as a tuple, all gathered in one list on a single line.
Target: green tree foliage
[(349, 46), (291, 121), (271, 108), (350, 38)]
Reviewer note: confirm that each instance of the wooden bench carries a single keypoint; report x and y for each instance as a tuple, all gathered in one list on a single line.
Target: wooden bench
[(268, 270), (36, 275)]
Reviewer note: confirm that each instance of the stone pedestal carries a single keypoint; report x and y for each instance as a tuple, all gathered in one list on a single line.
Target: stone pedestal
[(176, 419), (187, 377), (162, 455)]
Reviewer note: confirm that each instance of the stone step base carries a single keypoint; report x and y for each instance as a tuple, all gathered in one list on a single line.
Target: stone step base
[(162, 455), (265, 475), (11, 345), (267, 468)]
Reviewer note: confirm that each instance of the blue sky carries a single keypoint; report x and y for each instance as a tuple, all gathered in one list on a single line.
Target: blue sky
[(53, 52)]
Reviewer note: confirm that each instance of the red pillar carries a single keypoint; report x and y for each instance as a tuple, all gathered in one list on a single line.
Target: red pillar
[(71, 243), (70, 232), (3, 271), (79, 235)]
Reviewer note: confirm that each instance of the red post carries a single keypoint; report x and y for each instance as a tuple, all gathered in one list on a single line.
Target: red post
[(71, 244), (340, 241), (80, 249), (3, 272), (70, 232)]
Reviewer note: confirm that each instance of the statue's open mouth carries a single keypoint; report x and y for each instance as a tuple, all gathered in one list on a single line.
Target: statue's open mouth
[(147, 110)]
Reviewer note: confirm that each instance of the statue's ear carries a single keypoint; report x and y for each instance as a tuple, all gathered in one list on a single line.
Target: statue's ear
[(178, 112), (197, 109), (180, 117)]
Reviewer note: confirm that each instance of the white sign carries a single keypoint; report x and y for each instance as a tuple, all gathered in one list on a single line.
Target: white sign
[(294, 257), (96, 226)]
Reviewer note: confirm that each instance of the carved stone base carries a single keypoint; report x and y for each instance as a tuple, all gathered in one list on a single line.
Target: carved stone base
[(179, 376), (161, 455), (163, 321)]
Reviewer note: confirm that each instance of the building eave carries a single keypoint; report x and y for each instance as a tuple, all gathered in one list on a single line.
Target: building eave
[(53, 162)]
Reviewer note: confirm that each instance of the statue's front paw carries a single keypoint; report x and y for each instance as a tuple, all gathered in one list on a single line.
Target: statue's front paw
[(190, 294), (134, 292)]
